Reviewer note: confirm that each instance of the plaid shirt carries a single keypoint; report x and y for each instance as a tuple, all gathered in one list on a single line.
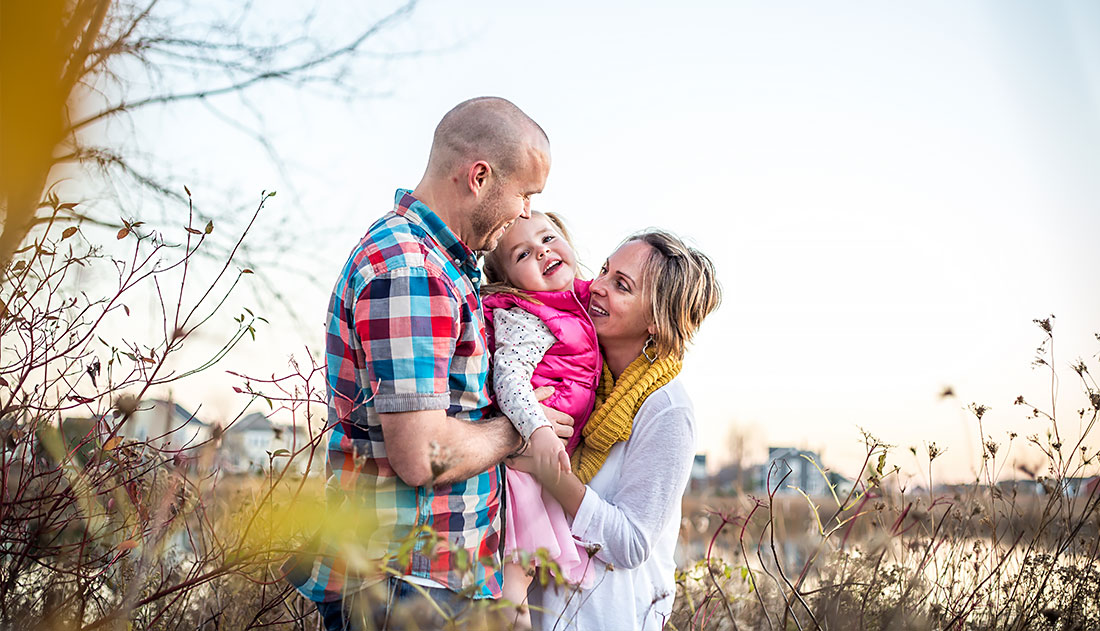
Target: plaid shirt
[(406, 332)]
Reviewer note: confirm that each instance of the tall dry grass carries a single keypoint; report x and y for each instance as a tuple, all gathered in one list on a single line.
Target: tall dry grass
[(980, 556)]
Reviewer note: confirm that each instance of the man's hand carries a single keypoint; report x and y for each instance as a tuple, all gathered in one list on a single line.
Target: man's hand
[(562, 422)]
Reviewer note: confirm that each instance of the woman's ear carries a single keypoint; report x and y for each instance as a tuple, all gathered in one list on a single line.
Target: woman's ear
[(652, 328)]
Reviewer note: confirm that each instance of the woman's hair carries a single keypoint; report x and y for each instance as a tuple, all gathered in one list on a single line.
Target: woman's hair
[(493, 264), (681, 286)]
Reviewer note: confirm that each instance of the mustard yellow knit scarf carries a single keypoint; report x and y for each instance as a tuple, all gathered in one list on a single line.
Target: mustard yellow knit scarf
[(616, 404)]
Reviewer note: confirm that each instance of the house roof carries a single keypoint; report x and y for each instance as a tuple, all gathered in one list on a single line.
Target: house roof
[(179, 412), (255, 421)]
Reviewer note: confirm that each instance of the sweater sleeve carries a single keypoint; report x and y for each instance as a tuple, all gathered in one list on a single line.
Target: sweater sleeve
[(655, 470), (521, 341)]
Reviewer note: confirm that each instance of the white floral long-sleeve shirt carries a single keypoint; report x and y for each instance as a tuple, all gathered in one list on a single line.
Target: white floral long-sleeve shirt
[(521, 341)]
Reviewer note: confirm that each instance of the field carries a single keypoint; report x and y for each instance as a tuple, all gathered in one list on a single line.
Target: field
[(134, 540), (970, 560), (102, 530)]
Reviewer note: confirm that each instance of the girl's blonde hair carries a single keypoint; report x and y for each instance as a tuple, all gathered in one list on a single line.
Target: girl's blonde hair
[(681, 285), (493, 264)]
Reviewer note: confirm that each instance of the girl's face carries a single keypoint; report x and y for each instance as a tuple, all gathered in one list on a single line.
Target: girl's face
[(619, 310), (536, 256)]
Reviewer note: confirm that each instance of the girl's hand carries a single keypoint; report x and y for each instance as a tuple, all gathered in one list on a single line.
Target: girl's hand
[(547, 454), (555, 477)]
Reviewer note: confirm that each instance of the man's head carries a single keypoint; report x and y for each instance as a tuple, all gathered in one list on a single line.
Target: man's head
[(488, 158)]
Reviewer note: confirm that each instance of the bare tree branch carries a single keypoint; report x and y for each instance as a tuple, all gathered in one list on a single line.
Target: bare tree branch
[(88, 51), (257, 78)]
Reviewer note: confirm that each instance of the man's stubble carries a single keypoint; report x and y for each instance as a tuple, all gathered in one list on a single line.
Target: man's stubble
[(488, 218)]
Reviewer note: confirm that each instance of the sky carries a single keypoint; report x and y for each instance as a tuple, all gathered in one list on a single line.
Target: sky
[(891, 193)]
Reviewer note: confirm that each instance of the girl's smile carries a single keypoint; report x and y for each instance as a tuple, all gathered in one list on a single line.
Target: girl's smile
[(536, 257)]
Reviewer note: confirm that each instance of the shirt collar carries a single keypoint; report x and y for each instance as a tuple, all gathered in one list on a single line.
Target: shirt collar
[(414, 210)]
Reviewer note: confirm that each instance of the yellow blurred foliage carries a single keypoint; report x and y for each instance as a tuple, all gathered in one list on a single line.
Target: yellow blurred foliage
[(46, 49)]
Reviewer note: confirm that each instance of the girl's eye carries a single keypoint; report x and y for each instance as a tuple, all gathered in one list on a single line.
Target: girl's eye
[(548, 238), (522, 255)]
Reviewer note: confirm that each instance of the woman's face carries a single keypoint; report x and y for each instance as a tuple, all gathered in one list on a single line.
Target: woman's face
[(619, 310)]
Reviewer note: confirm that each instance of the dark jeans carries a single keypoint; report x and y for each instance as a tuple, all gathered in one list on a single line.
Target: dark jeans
[(398, 605)]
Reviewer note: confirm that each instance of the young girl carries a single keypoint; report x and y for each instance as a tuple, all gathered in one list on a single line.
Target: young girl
[(538, 326)]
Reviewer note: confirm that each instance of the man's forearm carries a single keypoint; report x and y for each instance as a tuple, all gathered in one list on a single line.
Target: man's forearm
[(474, 448), (428, 448)]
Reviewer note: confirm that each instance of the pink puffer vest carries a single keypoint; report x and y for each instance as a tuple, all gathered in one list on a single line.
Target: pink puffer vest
[(573, 364)]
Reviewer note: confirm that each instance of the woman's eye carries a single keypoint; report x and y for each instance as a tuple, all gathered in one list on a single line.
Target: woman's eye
[(622, 286), (603, 270)]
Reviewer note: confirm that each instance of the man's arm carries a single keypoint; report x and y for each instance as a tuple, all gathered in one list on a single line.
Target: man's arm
[(429, 448)]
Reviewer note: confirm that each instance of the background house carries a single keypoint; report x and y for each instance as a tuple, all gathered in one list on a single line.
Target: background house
[(1080, 487), (1021, 487), (698, 478), (789, 469), (166, 424), (249, 444)]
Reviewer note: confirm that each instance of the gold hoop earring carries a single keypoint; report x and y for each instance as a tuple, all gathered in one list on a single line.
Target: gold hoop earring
[(645, 350)]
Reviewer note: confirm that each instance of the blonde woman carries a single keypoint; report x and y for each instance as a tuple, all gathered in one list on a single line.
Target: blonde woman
[(623, 491)]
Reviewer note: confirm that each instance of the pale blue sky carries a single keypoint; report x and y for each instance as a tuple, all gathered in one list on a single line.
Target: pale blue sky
[(890, 192)]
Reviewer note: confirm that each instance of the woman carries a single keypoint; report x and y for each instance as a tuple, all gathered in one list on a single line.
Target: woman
[(627, 479)]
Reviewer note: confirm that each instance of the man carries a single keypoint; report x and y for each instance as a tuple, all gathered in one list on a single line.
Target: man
[(412, 442)]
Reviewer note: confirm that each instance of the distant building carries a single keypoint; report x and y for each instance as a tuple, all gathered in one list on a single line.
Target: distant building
[(789, 469), (736, 477), (1080, 487), (698, 478), (842, 486), (1021, 487), (250, 445), (165, 424)]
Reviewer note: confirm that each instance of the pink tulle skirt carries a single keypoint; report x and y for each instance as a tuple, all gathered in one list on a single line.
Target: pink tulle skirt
[(536, 520)]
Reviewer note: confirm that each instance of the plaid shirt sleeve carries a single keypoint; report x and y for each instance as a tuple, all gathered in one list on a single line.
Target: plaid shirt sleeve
[(408, 321)]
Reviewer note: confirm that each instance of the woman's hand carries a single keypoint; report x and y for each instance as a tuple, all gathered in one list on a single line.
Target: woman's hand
[(561, 422)]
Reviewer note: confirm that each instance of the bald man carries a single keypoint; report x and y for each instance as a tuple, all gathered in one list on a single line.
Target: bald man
[(413, 439)]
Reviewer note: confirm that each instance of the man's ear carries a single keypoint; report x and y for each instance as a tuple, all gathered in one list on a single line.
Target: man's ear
[(477, 176)]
